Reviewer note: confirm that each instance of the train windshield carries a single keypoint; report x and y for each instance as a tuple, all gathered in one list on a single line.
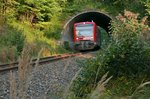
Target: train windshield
[(84, 30)]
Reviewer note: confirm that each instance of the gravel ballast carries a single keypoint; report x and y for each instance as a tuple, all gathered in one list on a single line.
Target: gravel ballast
[(48, 81)]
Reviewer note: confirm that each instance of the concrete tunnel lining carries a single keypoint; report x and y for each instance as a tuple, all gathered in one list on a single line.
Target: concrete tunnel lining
[(99, 18)]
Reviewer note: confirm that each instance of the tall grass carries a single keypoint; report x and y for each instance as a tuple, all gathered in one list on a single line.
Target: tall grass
[(19, 81), (8, 54), (23, 72), (13, 86), (100, 88)]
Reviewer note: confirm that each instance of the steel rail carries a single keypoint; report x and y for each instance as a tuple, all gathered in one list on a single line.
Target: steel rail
[(40, 61)]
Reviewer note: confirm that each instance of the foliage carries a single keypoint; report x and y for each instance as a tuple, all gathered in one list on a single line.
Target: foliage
[(42, 10), (38, 21), (42, 21), (41, 16), (147, 4), (142, 94), (53, 31), (131, 5), (128, 51), (127, 55), (12, 37), (11, 44), (127, 89)]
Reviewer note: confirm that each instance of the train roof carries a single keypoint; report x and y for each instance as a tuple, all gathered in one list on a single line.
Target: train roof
[(84, 23)]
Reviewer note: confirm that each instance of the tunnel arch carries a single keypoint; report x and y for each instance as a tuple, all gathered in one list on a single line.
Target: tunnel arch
[(99, 18)]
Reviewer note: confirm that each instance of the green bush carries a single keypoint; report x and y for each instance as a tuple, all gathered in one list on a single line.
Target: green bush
[(132, 5), (11, 44), (12, 37), (128, 55)]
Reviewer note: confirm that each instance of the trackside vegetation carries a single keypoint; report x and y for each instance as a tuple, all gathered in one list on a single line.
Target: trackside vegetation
[(30, 23), (40, 23), (126, 58)]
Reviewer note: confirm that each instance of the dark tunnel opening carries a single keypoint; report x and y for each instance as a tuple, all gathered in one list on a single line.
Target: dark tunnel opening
[(99, 18)]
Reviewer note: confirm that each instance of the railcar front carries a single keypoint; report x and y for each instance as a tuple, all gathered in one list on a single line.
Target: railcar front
[(85, 35)]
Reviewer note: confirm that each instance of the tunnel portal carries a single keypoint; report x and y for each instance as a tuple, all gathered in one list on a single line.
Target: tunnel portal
[(99, 18)]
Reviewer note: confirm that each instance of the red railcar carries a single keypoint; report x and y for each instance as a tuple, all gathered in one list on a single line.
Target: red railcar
[(85, 35)]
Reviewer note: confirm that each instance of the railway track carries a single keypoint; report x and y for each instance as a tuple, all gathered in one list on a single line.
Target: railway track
[(44, 60)]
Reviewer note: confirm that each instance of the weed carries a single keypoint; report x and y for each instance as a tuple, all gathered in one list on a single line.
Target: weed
[(13, 91), (24, 71), (96, 94)]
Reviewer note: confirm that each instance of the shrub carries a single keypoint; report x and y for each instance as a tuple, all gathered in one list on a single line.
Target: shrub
[(12, 37), (11, 44), (128, 55)]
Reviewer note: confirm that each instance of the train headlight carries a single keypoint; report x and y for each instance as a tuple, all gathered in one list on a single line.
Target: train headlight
[(91, 37), (77, 38)]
